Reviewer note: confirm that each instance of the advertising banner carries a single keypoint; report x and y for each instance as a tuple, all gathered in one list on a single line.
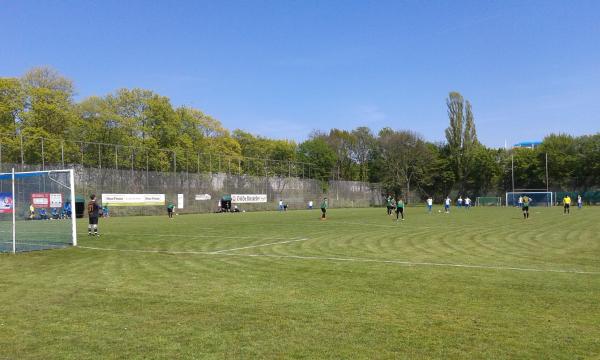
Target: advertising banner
[(203, 197), (180, 201), (133, 199), (40, 200), (6, 203), (248, 198), (56, 200)]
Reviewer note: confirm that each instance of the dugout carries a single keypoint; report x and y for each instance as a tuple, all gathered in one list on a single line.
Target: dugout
[(79, 206), (225, 203)]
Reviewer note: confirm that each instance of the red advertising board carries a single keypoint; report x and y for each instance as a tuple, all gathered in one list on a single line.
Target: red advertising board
[(40, 200)]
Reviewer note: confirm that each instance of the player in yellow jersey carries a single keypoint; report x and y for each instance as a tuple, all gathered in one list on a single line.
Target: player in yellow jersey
[(567, 205)]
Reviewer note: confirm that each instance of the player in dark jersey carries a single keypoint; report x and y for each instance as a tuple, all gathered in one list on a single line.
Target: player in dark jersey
[(525, 207), (93, 213)]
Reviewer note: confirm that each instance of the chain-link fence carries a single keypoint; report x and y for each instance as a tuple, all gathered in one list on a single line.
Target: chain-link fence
[(22, 150)]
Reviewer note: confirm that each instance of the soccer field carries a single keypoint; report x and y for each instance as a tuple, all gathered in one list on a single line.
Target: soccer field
[(482, 283)]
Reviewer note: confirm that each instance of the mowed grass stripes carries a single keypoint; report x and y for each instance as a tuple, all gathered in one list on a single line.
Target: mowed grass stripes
[(358, 285)]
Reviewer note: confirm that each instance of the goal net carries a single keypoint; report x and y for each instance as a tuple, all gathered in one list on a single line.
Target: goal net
[(537, 198), (488, 201), (36, 210)]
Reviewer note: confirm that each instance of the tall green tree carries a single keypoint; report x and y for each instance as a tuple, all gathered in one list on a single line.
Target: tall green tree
[(461, 136)]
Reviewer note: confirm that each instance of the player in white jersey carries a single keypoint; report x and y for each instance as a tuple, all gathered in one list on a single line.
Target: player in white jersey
[(429, 204), (447, 204)]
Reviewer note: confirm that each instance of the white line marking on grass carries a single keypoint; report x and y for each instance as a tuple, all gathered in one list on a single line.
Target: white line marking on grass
[(192, 236), (411, 263), (363, 224), (259, 245), (340, 259)]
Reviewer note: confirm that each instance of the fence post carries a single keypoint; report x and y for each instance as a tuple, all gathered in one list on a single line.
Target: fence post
[(99, 157), (22, 155), (62, 153), (43, 161)]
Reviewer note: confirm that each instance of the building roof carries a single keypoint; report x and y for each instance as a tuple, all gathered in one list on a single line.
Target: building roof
[(529, 144)]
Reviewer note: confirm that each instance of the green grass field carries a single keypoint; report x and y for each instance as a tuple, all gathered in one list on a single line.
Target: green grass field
[(481, 284)]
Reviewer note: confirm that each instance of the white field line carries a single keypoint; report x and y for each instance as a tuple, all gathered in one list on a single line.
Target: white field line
[(196, 236), (37, 244), (259, 245), (340, 259)]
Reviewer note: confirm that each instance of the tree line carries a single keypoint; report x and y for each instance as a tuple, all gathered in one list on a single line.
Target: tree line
[(148, 131)]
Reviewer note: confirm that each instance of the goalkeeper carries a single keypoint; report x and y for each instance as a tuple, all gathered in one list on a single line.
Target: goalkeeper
[(93, 213)]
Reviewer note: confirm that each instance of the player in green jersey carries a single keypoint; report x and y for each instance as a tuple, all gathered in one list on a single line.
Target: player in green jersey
[(399, 209)]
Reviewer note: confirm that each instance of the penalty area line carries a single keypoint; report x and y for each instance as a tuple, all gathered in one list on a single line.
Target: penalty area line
[(341, 259), (259, 245)]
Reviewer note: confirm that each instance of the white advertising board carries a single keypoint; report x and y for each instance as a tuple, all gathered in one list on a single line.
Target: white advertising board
[(203, 197), (248, 198), (56, 201), (133, 199), (180, 201)]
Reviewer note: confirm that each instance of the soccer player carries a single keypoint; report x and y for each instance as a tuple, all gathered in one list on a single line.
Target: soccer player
[(467, 203), (520, 201), (280, 205), (310, 205), (567, 205), (388, 204), (324, 206), (429, 204), (579, 202), (105, 210), (525, 206), (447, 204), (459, 202), (399, 209), (31, 212), (93, 213), (170, 208), (67, 209)]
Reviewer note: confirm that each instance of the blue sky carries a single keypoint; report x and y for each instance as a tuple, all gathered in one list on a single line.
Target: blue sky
[(283, 68)]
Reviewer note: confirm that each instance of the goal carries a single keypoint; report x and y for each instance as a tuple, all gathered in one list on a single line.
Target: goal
[(37, 210), (537, 198), (488, 201)]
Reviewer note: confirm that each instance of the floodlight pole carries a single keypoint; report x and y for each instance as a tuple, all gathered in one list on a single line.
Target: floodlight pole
[(73, 210), (14, 210)]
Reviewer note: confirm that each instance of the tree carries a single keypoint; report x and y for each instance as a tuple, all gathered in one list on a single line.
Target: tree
[(407, 157), (12, 104), (362, 149), (460, 135), (320, 155), (48, 102)]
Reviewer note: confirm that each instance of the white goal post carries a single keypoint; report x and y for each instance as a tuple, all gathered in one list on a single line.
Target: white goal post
[(37, 209), (537, 198)]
